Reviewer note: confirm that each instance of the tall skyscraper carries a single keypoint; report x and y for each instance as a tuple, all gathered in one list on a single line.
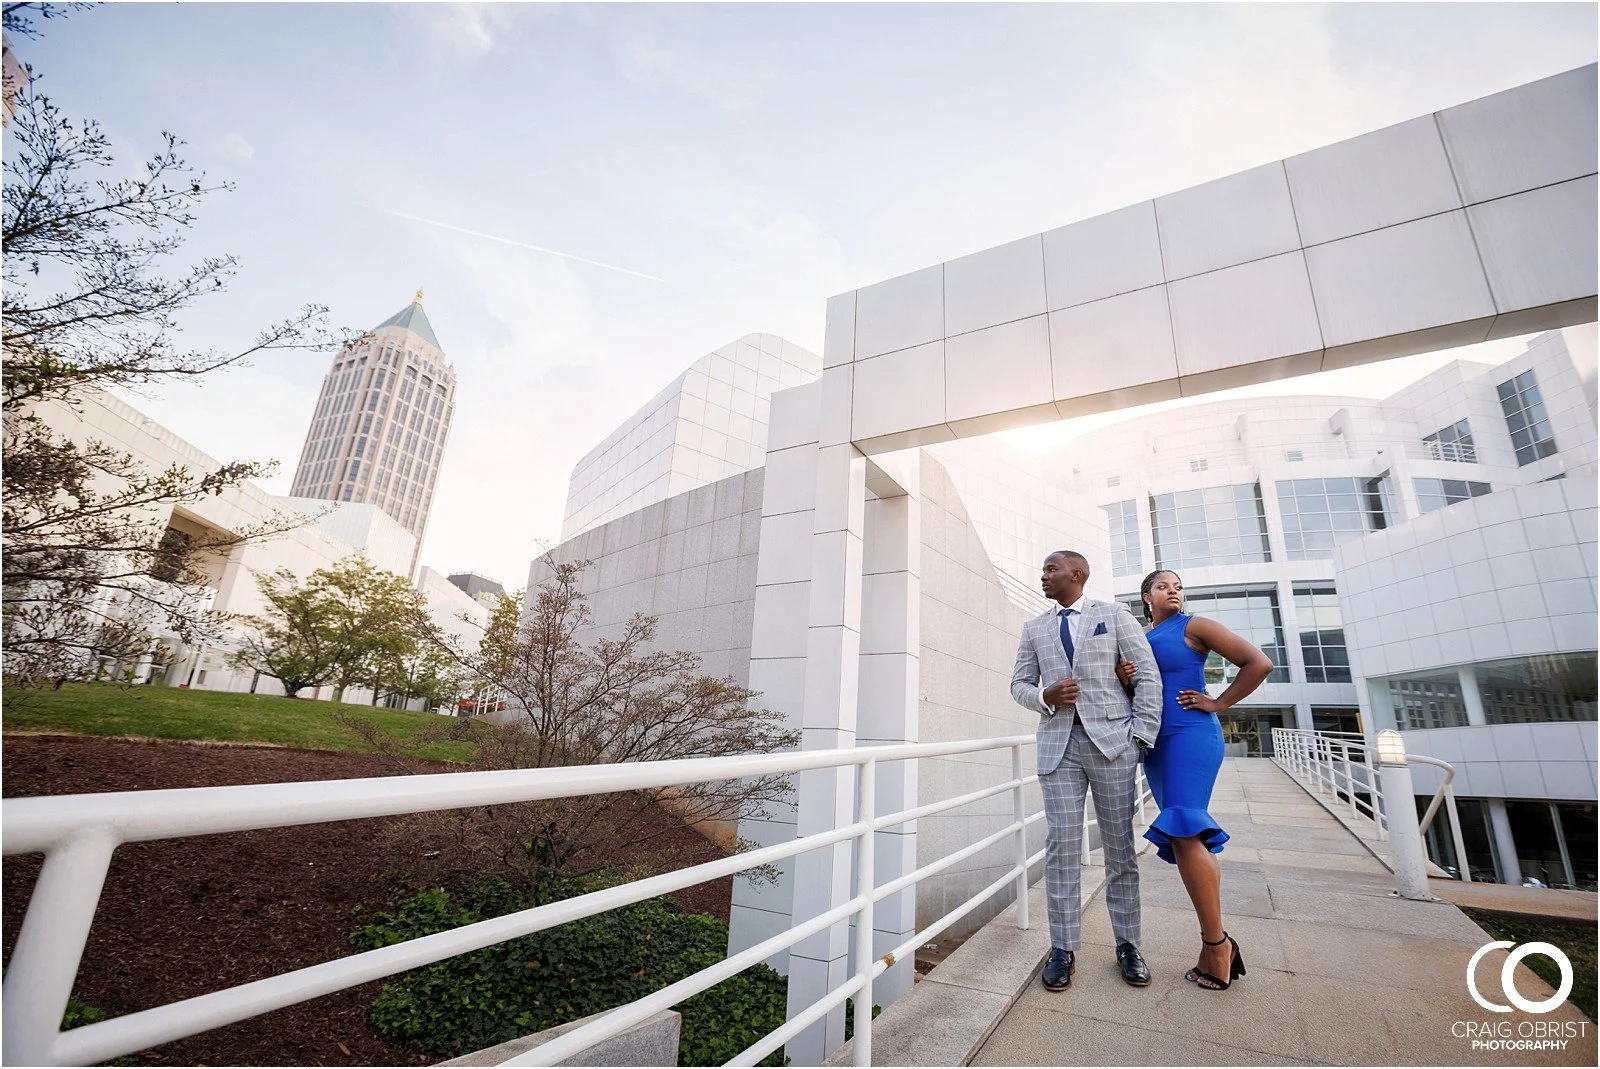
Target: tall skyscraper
[(380, 425)]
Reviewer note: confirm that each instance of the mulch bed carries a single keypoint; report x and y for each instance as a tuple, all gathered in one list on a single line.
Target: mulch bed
[(182, 917)]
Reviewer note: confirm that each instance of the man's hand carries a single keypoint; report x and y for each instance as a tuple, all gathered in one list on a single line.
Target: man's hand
[(1125, 671), (1062, 692)]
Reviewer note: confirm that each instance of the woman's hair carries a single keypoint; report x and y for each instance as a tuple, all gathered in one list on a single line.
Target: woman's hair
[(1150, 581)]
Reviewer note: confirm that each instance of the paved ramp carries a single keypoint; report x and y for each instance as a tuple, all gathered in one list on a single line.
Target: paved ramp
[(1341, 972)]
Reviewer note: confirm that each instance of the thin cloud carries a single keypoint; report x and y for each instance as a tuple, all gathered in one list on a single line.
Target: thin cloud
[(518, 244)]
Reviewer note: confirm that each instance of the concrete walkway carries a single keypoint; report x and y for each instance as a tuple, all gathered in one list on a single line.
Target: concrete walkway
[(1341, 972)]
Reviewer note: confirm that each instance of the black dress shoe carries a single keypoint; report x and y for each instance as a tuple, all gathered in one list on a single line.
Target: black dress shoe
[(1134, 970), (1058, 970)]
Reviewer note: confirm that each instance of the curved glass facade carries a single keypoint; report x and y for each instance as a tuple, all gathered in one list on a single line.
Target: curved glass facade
[(1217, 525)]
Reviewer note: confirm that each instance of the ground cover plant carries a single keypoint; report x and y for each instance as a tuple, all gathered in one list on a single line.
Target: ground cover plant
[(526, 985)]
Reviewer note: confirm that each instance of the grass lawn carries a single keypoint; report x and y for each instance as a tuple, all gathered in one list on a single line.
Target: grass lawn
[(1576, 939), (177, 713)]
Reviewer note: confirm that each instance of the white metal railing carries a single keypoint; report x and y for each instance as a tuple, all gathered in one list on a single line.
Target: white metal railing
[(1339, 763), (78, 833), (1461, 452)]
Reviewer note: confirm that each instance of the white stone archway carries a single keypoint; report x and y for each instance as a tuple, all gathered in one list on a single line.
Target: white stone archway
[(1465, 225)]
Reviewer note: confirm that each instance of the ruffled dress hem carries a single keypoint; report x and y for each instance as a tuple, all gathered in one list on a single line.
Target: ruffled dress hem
[(1180, 823)]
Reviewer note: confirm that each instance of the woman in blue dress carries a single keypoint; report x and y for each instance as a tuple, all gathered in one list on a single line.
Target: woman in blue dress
[(1182, 765)]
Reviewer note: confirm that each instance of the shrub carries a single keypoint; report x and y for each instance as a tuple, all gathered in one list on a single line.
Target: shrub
[(77, 1014), (558, 975)]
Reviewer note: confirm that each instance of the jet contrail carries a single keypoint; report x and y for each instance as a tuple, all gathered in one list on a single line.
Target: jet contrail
[(518, 244)]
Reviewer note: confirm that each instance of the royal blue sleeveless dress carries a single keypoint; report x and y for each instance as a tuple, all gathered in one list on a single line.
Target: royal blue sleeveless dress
[(1182, 765)]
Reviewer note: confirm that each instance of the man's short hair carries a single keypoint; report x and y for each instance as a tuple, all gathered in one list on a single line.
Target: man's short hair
[(1075, 557)]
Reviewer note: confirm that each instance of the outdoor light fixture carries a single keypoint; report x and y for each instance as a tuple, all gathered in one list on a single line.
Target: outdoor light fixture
[(1391, 749)]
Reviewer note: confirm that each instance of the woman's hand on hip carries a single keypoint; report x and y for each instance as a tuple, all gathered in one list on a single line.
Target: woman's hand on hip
[(1199, 700)]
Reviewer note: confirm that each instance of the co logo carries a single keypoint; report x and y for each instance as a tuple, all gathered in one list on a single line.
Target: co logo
[(1509, 985)]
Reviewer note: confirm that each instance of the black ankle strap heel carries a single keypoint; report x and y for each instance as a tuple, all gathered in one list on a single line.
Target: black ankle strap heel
[(1213, 983)]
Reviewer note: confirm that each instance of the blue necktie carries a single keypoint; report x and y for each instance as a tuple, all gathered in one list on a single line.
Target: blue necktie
[(1066, 634)]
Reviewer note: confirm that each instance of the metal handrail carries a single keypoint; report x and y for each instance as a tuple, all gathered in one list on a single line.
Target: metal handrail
[(78, 834), (1308, 756), (1327, 760)]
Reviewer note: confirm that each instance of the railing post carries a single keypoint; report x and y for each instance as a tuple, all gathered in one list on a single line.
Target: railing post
[(50, 945), (866, 879), (1373, 785), (1350, 781), (1019, 813)]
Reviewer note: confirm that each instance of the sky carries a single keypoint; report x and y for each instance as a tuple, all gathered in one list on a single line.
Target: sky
[(595, 196)]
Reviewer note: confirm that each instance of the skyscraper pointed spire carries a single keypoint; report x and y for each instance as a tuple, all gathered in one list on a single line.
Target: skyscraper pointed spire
[(414, 319)]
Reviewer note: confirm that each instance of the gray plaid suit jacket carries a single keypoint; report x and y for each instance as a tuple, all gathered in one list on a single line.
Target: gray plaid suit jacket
[(1109, 719)]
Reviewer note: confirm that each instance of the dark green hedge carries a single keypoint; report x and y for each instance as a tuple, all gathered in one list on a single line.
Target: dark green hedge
[(526, 985)]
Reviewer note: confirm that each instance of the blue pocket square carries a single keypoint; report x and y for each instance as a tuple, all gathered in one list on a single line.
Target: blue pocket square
[(1100, 628)]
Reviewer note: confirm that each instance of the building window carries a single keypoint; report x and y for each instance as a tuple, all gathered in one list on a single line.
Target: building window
[(1320, 513), (1294, 456), (1114, 480), (1420, 704), (1252, 614), (1530, 430), (1377, 500), (1452, 443), (1123, 519), (1575, 822), (1338, 720), (1549, 838), (1322, 635), (1476, 833), (1537, 690), (1198, 465), (1217, 525), (1440, 493), (1247, 730)]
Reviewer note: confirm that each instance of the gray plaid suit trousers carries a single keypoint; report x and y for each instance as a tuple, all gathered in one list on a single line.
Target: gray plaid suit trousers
[(1089, 747), (1113, 782)]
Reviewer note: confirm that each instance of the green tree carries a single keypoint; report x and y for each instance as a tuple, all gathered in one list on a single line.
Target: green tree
[(378, 618), (294, 642), (346, 625)]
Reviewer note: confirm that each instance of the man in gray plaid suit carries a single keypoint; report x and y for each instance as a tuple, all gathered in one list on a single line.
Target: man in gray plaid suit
[(1090, 736)]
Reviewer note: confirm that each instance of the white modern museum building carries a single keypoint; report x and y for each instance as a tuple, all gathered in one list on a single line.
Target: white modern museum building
[(866, 556)]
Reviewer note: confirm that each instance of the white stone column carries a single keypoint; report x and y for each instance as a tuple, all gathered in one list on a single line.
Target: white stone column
[(779, 636), (1378, 709), (888, 694), (826, 796), (1504, 842), (1471, 696)]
